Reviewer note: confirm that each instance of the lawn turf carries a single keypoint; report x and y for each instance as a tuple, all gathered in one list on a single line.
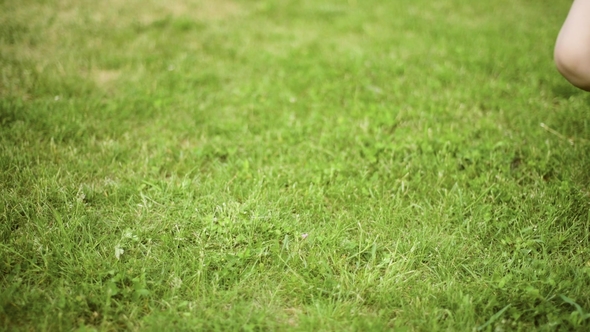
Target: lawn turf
[(292, 165)]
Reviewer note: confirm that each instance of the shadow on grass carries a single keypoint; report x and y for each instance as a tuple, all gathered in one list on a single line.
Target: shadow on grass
[(566, 91)]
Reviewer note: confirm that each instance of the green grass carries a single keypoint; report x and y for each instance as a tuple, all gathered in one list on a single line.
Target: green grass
[(290, 165)]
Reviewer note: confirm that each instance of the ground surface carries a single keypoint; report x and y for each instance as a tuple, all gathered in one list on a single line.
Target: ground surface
[(290, 165)]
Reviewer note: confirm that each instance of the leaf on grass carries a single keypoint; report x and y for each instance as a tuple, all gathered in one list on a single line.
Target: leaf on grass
[(118, 251)]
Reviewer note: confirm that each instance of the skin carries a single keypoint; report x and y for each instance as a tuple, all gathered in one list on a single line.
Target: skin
[(572, 49)]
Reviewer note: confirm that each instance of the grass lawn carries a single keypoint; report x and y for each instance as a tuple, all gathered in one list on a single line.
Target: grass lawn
[(296, 165)]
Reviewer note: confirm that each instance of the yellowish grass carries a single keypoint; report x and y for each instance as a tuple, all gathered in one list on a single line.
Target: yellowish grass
[(52, 33)]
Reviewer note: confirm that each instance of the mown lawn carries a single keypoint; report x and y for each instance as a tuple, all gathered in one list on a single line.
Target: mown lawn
[(304, 165)]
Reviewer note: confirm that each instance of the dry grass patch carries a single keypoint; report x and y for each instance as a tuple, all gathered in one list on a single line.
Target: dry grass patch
[(48, 36), (147, 12), (105, 78)]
